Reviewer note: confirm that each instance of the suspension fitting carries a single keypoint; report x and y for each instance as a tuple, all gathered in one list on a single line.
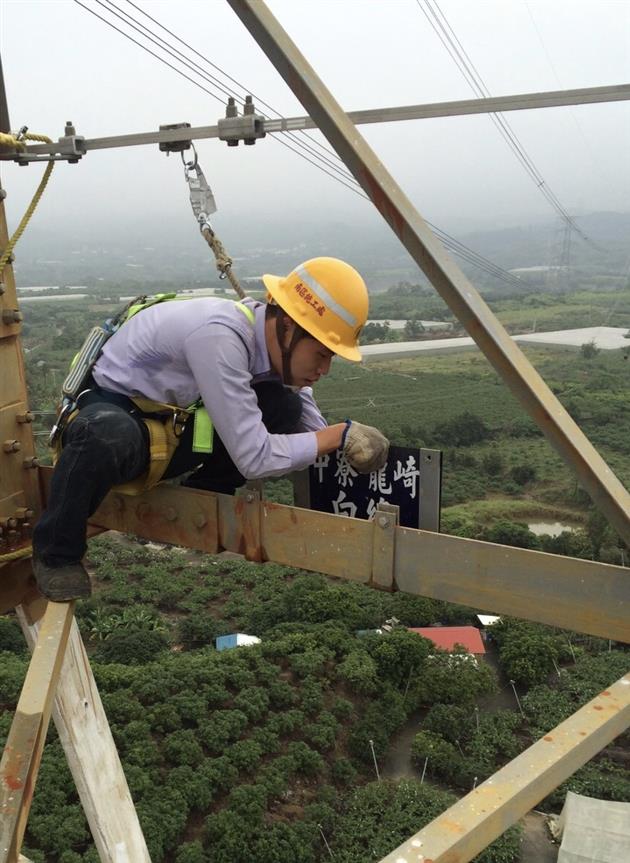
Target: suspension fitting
[(247, 127)]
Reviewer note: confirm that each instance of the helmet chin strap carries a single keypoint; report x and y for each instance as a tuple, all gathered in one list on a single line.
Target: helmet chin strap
[(298, 333)]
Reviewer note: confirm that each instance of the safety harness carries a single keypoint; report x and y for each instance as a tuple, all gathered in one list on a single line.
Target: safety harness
[(165, 423)]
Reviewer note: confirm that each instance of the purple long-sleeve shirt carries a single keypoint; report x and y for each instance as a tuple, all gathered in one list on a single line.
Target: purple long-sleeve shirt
[(175, 352)]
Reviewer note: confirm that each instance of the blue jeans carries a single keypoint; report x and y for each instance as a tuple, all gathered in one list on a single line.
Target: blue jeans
[(108, 444)]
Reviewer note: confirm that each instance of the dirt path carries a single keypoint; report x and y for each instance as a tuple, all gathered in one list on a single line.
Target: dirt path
[(537, 847)]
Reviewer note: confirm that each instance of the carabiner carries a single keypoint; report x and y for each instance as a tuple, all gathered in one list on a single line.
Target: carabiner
[(179, 420), (189, 166)]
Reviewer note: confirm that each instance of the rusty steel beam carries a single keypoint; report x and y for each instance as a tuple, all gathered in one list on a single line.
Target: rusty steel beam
[(580, 595), (25, 743), (16, 581), (19, 497), (592, 471), (568, 592), (462, 831)]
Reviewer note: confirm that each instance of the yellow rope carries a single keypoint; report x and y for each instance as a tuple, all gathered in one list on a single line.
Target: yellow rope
[(8, 140), (11, 140), (224, 261), (27, 551)]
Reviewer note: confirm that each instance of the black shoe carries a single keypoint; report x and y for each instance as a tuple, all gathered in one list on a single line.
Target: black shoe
[(61, 583)]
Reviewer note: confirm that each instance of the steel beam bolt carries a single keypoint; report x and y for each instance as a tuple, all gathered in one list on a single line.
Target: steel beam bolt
[(231, 111), (248, 108), (11, 316), (11, 446)]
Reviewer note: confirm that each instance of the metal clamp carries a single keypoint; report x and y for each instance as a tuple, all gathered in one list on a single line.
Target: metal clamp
[(248, 127), (175, 146), (386, 518), (72, 145), (70, 148)]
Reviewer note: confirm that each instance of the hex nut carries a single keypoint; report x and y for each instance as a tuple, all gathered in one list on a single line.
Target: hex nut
[(24, 512), (11, 446)]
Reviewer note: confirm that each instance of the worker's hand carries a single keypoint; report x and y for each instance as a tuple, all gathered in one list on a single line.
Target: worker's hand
[(364, 447)]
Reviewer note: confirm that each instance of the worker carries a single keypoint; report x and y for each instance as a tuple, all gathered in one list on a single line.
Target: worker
[(253, 365)]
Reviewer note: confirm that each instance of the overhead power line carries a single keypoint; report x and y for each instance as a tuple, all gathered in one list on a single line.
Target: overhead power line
[(447, 36), (207, 78), (296, 143), (329, 157), (595, 162), (244, 90)]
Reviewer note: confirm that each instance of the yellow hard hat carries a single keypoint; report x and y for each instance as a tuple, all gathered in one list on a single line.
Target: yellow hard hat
[(328, 299)]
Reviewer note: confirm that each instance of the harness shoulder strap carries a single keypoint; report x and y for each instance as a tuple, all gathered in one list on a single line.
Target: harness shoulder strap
[(145, 303), (203, 430), (249, 313)]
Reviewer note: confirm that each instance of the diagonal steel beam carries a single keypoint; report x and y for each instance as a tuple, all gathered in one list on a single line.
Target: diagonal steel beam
[(462, 831), (87, 741), (25, 743), (592, 471)]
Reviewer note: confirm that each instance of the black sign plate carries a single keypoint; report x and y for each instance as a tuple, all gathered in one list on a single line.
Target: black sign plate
[(335, 487)]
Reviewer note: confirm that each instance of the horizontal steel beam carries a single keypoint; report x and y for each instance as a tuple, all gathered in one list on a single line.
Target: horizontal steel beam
[(580, 595), (463, 107), (462, 831), (560, 591), (426, 250)]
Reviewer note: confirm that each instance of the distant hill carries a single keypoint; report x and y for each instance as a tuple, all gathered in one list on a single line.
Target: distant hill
[(180, 256), (541, 244)]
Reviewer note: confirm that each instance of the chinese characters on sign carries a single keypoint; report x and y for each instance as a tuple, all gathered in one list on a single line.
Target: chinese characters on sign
[(336, 487)]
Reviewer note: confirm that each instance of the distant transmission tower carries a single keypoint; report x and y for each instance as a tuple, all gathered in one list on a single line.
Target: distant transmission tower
[(559, 271)]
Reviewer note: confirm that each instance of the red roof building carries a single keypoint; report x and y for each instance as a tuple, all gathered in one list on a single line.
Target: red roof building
[(446, 637)]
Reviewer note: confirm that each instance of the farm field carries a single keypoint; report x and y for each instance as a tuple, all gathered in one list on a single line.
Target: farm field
[(264, 753), (496, 462), (457, 403)]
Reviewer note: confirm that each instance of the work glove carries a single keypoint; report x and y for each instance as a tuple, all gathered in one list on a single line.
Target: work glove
[(364, 447)]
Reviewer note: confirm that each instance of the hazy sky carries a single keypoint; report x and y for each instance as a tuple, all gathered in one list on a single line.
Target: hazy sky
[(60, 63)]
